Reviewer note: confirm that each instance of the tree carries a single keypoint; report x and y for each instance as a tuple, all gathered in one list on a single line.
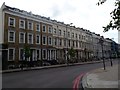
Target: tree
[(26, 54), (115, 15), (71, 52)]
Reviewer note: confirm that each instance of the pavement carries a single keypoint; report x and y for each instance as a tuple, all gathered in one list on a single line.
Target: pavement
[(100, 78), (46, 67)]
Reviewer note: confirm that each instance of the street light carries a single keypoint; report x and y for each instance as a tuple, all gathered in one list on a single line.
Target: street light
[(101, 41), (67, 42), (110, 58)]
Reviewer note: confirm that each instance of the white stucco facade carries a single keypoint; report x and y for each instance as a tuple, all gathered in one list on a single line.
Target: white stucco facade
[(119, 36), (2, 23)]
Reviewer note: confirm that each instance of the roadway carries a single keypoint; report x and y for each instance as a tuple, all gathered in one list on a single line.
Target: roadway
[(62, 77)]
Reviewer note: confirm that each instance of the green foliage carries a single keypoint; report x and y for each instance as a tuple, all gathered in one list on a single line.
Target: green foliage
[(27, 52), (115, 15), (101, 2), (71, 52)]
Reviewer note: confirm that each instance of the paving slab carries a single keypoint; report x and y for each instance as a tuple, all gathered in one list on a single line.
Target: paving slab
[(101, 78)]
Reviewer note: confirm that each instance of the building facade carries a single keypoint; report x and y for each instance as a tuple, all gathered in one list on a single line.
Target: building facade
[(119, 36), (47, 39)]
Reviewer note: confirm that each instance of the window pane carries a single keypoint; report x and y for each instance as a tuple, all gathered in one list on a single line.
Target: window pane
[(30, 25), (44, 29), (38, 54), (44, 54), (54, 31), (44, 40), (50, 41), (22, 24), (30, 38), (50, 30), (60, 42), (64, 42), (21, 37), (38, 39), (11, 22), (11, 36), (38, 27), (21, 54), (69, 43), (11, 52), (55, 41), (59, 32)]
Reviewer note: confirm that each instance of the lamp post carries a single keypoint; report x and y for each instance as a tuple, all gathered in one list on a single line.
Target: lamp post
[(101, 41), (67, 42), (85, 54), (110, 53), (110, 58)]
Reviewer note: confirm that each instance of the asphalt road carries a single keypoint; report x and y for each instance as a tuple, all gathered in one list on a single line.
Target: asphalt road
[(62, 77)]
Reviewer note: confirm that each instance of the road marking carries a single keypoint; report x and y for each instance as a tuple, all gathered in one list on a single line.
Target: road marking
[(77, 81)]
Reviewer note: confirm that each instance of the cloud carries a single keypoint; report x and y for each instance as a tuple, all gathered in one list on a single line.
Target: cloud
[(55, 10), (62, 8), (82, 13)]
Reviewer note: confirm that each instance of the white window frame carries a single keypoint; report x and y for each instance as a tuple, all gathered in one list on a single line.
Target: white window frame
[(56, 40), (36, 27), (31, 26), (69, 43), (45, 40), (36, 38), (23, 38), (9, 36), (50, 29), (53, 40), (45, 55), (60, 32), (13, 22), (72, 35), (45, 28), (13, 54), (39, 54), (28, 38), (55, 31), (48, 40), (19, 55), (65, 43), (64, 33), (60, 40), (68, 34), (20, 24), (79, 36), (76, 44), (76, 36)]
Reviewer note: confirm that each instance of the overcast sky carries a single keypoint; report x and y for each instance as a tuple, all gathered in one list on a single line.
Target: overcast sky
[(82, 13)]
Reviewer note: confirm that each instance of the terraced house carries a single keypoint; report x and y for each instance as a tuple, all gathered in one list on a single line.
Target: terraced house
[(48, 39)]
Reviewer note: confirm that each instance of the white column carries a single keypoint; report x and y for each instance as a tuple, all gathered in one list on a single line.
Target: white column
[(33, 55), (55, 54), (119, 36), (66, 55), (50, 54)]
